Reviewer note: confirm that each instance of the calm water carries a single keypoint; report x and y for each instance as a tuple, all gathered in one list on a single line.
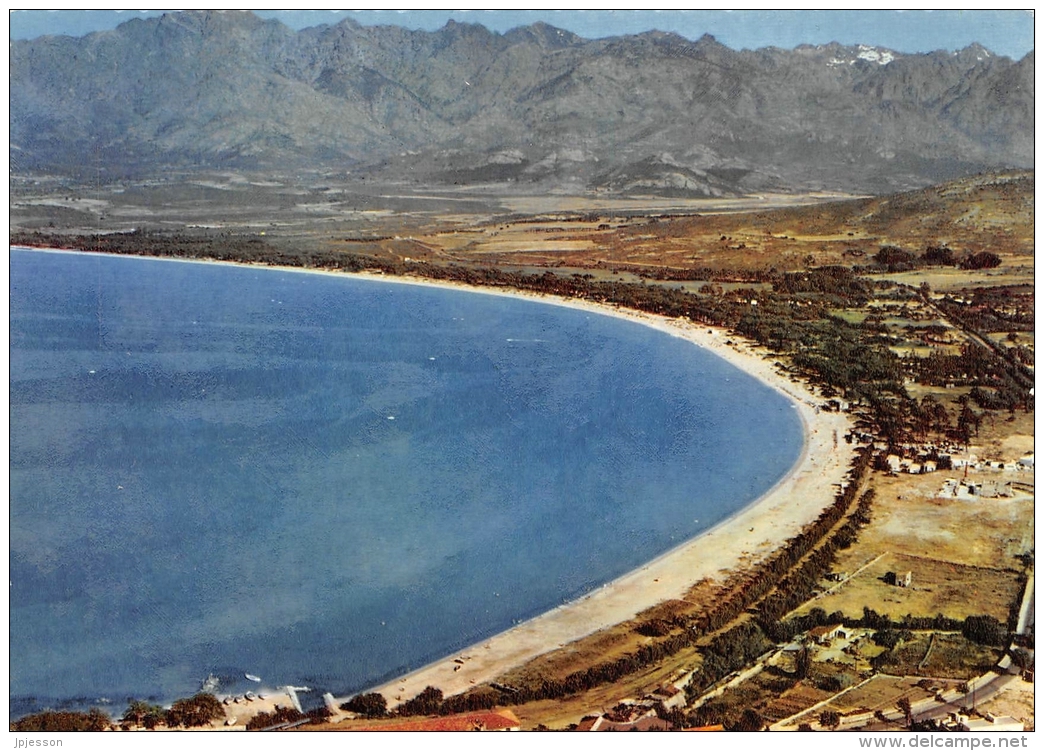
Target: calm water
[(326, 481)]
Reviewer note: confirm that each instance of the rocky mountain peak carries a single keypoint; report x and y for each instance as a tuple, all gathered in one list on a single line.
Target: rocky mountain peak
[(213, 21), (202, 89), (974, 51), (544, 35)]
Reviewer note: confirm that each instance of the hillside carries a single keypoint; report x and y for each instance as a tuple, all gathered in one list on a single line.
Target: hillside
[(989, 212)]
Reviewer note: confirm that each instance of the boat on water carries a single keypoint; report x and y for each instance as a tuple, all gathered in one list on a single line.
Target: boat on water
[(210, 684), (253, 678)]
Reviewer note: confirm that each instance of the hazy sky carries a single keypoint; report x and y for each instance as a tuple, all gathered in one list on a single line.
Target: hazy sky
[(1004, 32)]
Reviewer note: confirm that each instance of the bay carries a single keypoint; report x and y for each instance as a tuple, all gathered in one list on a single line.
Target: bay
[(328, 481)]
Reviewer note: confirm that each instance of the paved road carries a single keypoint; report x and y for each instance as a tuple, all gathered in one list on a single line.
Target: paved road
[(1026, 610), (980, 695), (938, 711)]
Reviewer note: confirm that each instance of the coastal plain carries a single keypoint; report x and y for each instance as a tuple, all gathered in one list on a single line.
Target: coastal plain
[(783, 301)]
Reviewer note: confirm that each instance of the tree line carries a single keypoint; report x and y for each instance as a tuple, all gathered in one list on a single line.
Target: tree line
[(197, 711), (893, 259)]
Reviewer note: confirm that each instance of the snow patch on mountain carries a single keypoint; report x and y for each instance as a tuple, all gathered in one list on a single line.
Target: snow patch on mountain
[(874, 55)]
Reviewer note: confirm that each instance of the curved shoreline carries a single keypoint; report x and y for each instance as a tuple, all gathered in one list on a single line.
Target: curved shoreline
[(739, 541), (736, 542)]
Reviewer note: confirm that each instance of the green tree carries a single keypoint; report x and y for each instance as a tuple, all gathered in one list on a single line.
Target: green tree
[(281, 715), (427, 702), (906, 708), (93, 721), (939, 256), (984, 629), (368, 705), (983, 260), (894, 258), (803, 664), (748, 722), (829, 719), (886, 638), (196, 712), (142, 714)]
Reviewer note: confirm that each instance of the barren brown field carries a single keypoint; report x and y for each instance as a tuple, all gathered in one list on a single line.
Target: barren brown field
[(938, 587), (909, 519), (952, 279), (1007, 441), (794, 700), (974, 215)]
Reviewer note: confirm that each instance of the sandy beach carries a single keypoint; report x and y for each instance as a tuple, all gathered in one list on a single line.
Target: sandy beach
[(741, 540)]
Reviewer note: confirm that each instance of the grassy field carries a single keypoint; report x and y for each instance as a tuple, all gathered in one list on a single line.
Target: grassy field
[(1019, 268), (883, 692), (962, 554), (947, 654), (938, 587), (559, 713)]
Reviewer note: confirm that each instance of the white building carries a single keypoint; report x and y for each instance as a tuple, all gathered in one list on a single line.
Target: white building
[(991, 724)]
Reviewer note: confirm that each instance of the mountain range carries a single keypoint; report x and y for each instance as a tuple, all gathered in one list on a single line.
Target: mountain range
[(535, 108)]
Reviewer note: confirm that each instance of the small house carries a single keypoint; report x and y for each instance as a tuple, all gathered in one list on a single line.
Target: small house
[(898, 580), (993, 489), (827, 634), (992, 724), (669, 695)]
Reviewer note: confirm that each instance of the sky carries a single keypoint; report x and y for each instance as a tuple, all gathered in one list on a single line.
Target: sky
[(1007, 32)]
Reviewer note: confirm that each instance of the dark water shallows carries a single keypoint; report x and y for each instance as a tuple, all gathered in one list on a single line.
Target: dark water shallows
[(325, 481)]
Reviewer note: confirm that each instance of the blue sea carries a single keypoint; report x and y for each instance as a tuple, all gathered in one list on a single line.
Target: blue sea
[(329, 481)]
